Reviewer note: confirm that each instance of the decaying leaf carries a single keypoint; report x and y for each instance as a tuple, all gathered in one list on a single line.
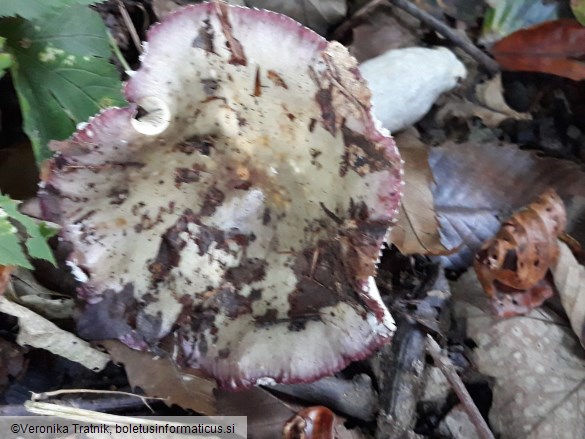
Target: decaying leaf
[(553, 47), (417, 229), (479, 185), (159, 377), (239, 203), (517, 259), (38, 332), (569, 278), (536, 361)]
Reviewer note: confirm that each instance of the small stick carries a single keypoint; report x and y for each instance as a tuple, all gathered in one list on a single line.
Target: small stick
[(461, 40), (457, 38), (445, 365), (130, 26), (47, 395)]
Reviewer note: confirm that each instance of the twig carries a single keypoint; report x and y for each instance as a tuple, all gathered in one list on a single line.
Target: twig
[(118, 53), (459, 39), (47, 395), (455, 37), (445, 365), (130, 26)]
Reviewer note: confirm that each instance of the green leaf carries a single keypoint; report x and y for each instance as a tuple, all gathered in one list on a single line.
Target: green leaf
[(5, 58), (508, 16), (35, 9), (11, 252), (61, 73), (578, 8), (36, 243)]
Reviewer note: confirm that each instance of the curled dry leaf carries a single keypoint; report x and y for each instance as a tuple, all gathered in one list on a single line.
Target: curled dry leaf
[(478, 185), (517, 259), (239, 203), (536, 362), (569, 278), (552, 47), (310, 423)]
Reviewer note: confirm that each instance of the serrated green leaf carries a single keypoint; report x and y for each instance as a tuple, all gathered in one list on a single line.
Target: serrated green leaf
[(508, 16), (578, 8), (61, 73), (36, 243), (11, 252), (35, 9)]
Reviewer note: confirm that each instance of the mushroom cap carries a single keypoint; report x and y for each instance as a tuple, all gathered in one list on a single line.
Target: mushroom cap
[(237, 207)]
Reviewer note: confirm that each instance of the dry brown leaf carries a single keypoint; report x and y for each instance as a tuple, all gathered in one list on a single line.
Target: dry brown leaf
[(536, 362), (569, 278), (516, 260), (159, 377), (554, 47), (479, 185), (417, 229)]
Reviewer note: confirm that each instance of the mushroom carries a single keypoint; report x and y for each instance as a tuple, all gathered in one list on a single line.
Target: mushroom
[(237, 207)]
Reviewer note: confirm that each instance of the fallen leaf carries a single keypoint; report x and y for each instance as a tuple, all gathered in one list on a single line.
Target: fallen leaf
[(569, 278), (160, 377), (552, 47), (516, 260), (536, 362), (478, 185), (38, 332), (417, 229)]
